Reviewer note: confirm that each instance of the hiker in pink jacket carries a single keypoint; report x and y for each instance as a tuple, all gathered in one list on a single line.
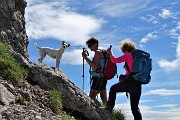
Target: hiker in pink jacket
[(133, 88)]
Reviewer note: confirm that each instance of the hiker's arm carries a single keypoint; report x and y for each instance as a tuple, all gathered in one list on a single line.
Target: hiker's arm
[(95, 62), (120, 59)]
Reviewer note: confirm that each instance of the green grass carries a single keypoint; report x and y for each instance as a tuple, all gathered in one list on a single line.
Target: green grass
[(118, 114), (20, 99), (55, 101), (10, 69), (66, 117)]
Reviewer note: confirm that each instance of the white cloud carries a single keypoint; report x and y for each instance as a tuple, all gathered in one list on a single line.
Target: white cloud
[(115, 8), (74, 57), (162, 92), (165, 106), (171, 82), (154, 19), (171, 65), (166, 112), (165, 14), (146, 101), (150, 19), (148, 37), (141, 45), (175, 32), (56, 20), (178, 26), (174, 64)]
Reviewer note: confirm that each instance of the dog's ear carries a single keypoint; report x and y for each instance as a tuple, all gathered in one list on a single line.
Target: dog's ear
[(68, 45), (63, 42)]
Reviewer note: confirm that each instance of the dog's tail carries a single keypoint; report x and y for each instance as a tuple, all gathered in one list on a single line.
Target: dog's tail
[(35, 44)]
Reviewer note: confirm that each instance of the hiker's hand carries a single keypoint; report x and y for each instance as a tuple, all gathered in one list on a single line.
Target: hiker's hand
[(84, 54), (109, 51)]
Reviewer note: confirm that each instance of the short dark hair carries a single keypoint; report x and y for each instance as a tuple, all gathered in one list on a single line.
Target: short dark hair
[(92, 41)]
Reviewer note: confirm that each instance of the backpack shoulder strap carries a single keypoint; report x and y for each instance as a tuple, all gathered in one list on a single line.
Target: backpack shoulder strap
[(127, 67), (105, 59), (103, 52)]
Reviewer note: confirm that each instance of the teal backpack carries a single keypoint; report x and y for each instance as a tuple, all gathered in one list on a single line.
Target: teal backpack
[(141, 68)]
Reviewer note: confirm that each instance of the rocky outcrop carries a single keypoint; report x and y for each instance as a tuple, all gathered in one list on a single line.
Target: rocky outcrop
[(74, 98), (6, 97), (12, 25), (30, 103)]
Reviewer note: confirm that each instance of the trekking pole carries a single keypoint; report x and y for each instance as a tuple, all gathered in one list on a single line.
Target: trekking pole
[(84, 50), (110, 47), (90, 77), (83, 72)]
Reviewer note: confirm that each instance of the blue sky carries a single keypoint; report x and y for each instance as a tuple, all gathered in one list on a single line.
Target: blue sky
[(153, 25)]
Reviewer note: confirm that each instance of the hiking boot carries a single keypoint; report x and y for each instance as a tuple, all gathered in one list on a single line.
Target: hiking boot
[(97, 102), (108, 108)]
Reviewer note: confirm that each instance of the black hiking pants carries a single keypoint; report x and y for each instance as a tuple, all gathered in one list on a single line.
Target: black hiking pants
[(133, 89)]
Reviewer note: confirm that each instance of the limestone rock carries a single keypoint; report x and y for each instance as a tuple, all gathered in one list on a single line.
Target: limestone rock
[(6, 97), (9, 87), (3, 110), (29, 110), (12, 25), (74, 98)]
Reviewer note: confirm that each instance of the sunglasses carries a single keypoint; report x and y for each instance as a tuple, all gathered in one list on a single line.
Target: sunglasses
[(90, 45)]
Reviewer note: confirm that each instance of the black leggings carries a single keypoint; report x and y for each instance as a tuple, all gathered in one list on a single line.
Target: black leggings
[(134, 90)]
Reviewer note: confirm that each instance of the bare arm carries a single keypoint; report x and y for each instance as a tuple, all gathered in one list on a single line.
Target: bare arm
[(95, 62)]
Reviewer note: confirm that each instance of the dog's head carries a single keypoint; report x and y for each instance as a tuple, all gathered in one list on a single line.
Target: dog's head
[(65, 45)]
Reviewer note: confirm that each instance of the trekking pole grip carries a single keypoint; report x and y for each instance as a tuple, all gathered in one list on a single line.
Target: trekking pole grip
[(84, 50), (110, 47)]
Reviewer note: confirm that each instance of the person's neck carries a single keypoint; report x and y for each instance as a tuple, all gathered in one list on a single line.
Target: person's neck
[(96, 49)]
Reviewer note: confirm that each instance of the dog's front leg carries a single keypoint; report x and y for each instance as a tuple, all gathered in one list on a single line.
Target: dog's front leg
[(57, 63)]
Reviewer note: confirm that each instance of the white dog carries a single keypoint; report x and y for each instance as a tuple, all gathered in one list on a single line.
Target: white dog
[(53, 53)]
